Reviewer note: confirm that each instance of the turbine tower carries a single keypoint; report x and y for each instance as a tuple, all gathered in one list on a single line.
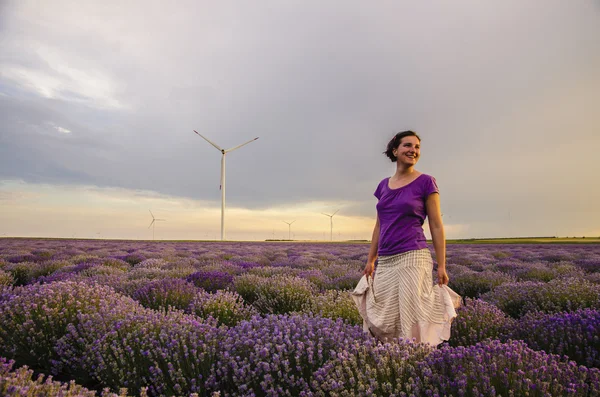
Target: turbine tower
[(223, 153), (289, 228), (153, 224), (331, 219)]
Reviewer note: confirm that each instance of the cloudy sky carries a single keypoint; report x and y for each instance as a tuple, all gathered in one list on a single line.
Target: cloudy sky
[(99, 100)]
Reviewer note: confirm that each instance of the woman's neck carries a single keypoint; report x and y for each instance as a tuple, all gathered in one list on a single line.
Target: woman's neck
[(402, 171)]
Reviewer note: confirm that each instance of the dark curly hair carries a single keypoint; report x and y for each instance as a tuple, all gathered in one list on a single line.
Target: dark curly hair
[(395, 142)]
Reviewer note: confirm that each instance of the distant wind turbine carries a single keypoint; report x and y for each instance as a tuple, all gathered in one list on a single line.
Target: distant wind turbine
[(331, 219), (223, 152), (153, 224), (289, 228)]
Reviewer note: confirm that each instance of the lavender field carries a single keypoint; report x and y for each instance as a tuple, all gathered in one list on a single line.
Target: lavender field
[(276, 319)]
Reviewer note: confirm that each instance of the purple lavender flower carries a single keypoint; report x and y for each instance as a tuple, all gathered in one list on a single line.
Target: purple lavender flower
[(227, 307), (334, 304), (134, 258), (473, 284), (35, 317), (492, 368), (20, 382), (170, 353), (517, 299), (277, 295), (371, 369), (574, 334), (211, 281), (277, 355), (169, 292), (477, 321)]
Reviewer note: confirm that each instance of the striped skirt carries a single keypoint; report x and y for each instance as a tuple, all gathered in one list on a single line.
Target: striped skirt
[(402, 301)]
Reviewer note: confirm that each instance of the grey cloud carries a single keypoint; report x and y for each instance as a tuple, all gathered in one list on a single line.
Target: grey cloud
[(324, 86)]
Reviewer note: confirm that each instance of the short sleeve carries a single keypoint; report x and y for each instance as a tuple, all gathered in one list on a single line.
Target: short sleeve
[(430, 186), (379, 190)]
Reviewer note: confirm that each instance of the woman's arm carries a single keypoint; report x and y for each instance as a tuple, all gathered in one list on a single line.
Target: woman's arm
[(373, 251), (436, 227)]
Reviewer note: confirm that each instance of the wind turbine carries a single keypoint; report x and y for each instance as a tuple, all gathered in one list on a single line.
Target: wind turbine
[(289, 228), (152, 224), (222, 187), (331, 219)]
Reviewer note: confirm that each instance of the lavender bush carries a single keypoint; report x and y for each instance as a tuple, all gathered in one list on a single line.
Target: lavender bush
[(101, 270), (517, 299), (575, 334), (169, 353), (5, 291), (28, 272), (270, 271), (117, 264), (315, 276), (211, 281), (344, 282), (152, 263), (594, 278), (85, 259), (74, 359), (169, 292), (473, 284), (372, 369), (547, 271), (21, 272), (277, 355), (277, 294), (249, 286), (35, 317), (134, 258), (477, 321), (591, 264), (20, 382), (6, 278), (334, 304), (227, 307), (492, 368)]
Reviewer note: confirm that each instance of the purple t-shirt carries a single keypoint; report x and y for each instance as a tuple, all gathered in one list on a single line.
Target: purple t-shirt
[(402, 213)]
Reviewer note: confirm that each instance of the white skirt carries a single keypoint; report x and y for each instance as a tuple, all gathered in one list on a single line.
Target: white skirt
[(401, 300)]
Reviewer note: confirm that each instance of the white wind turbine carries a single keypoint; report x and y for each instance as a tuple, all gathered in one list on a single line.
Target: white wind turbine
[(331, 219), (223, 152), (153, 224), (289, 228)]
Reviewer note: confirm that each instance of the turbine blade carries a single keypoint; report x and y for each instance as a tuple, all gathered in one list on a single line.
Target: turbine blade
[(151, 223), (239, 146), (326, 214), (293, 221), (207, 140), (334, 213), (151, 214)]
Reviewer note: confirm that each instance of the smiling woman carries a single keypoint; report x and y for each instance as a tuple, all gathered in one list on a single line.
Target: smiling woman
[(399, 300)]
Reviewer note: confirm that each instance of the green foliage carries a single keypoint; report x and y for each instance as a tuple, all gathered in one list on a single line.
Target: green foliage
[(335, 304), (227, 307), (6, 278)]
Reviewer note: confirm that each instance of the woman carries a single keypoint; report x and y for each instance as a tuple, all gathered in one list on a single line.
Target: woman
[(400, 300)]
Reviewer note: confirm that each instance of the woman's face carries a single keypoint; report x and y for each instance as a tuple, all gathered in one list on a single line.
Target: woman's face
[(408, 151)]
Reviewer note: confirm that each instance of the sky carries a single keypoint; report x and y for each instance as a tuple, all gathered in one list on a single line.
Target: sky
[(99, 100)]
